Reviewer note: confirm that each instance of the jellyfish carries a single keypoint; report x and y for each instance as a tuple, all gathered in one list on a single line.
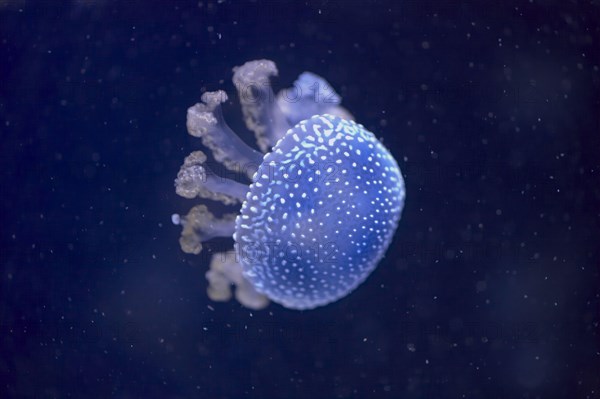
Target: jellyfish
[(324, 198)]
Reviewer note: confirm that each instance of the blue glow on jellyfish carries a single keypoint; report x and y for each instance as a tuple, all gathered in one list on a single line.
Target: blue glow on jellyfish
[(324, 201)]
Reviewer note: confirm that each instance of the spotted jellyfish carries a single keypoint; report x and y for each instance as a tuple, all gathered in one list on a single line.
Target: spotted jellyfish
[(323, 203)]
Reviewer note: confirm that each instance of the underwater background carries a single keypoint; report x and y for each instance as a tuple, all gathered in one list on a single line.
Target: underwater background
[(490, 288)]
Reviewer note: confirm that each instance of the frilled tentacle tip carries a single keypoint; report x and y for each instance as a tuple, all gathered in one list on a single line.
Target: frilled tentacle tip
[(323, 205)]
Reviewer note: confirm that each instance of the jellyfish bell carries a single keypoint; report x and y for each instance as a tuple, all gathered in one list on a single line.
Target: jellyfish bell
[(322, 206)]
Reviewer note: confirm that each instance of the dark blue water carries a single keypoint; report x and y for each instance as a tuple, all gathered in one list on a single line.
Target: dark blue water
[(489, 289)]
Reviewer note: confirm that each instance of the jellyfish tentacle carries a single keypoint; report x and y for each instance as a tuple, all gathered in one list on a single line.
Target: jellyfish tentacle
[(311, 95), (205, 120), (226, 271), (261, 112), (200, 225), (196, 179)]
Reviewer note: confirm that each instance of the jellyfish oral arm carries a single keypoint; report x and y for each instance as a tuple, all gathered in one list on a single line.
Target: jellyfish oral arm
[(261, 114), (205, 120), (196, 179)]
